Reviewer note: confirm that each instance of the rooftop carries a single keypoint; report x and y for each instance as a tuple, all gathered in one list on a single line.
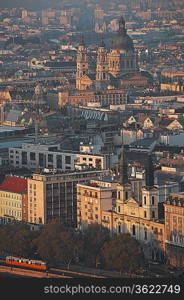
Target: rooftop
[(14, 184)]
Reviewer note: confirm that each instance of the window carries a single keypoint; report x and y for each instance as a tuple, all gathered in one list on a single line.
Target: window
[(126, 195), (152, 200), (67, 159), (145, 200), (145, 234), (119, 210), (32, 156), (50, 158), (145, 215), (174, 223), (153, 214), (59, 161), (133, 229)]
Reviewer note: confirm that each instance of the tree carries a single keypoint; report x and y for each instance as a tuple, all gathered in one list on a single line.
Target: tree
[(16, 239), (69, 247), (94, 237), (122, 253), (47, 243), (58, 244)]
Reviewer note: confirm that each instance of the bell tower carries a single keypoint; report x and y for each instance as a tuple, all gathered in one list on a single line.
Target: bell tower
[(124, 187), (102, 64), (82, 63), (150, 193)]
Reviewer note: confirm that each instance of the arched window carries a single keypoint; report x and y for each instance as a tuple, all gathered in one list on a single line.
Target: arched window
[(126, 195), (145, 200), (145, 234), (152, 200), (133, 229)]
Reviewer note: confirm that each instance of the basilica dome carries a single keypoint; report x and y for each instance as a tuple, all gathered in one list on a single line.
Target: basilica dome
[(122, 41)]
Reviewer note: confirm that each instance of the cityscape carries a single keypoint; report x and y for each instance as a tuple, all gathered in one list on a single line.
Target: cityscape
[(92, 138)]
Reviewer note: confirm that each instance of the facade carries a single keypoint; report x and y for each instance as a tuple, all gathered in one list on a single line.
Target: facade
[(174, 228), (36, 156), (96, 161), (14, 198), (54, 196), (103, 97), (92, 199)]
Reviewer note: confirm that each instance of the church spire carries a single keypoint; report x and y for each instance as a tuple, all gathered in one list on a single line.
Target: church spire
[(149, 168), (102, 44), (123, 169), (122, 29)]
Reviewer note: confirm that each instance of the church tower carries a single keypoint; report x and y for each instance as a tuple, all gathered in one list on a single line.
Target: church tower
[(150, 193), (82, 63), (124, 187), (102, 63)]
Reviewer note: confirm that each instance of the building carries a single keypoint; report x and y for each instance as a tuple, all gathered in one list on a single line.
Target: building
[(37, 156), (114, 68), (174, 229), (102, 97), (127, 215), (92, 160), (14, 198), (92, 199), (54, 196)]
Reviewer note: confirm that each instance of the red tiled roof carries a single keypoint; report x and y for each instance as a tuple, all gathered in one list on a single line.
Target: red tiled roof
[(14, 184)]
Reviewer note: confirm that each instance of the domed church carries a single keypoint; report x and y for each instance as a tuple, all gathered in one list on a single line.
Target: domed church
[(122, 57), (111, 67)]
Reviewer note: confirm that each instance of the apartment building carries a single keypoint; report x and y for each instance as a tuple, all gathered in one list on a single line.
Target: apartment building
[(14, 198), (174, 228), (96, 161), (92, 199), (54, 196), (36, 156)]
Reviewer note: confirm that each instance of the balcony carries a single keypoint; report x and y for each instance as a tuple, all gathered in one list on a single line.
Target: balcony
[(105, 221), (176, 240)]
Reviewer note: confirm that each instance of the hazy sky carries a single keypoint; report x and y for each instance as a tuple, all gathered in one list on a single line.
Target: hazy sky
[(29, 3)]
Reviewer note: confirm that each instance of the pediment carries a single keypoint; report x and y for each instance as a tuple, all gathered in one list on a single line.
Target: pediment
[(86, 77), (132, 202)]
